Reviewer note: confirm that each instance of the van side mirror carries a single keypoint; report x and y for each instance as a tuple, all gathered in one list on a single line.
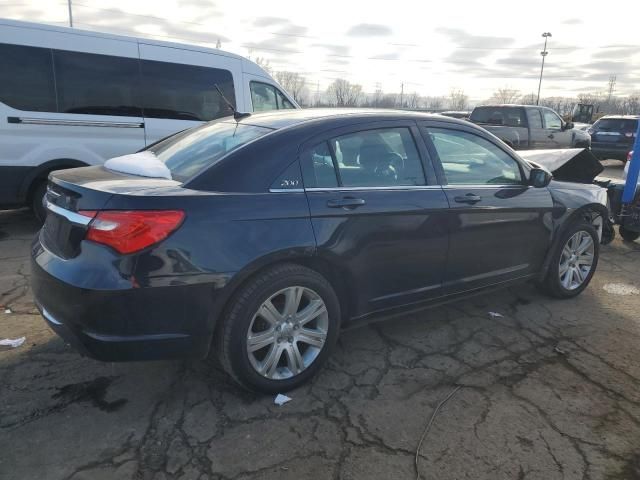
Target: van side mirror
[(568, 126), (539, 177)]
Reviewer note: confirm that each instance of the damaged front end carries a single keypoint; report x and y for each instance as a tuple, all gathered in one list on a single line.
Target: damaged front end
[(576, 170)]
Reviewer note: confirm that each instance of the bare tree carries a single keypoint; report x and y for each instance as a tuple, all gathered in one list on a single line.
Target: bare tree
[(413, 101), (505, 95), (389, 100), (529, 99), (378, 95), (344, 93), (264, 64), (457, 99), (294, 83), (434, 103), (631, 104)]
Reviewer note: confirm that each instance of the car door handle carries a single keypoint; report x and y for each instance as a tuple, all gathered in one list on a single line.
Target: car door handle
[(470, 198), (550, 135), (348, 203)]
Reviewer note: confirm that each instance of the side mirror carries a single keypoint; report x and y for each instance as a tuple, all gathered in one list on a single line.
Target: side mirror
[(539, 177), (568, 126)]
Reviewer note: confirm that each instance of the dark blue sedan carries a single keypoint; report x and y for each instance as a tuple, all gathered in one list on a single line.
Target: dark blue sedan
[(256, 239)]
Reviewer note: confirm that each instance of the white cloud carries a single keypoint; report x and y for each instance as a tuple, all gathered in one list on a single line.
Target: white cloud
[(431, 47)]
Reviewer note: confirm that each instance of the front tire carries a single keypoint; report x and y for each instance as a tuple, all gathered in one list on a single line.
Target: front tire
[(628, 235), (279, 329), (573, 261)]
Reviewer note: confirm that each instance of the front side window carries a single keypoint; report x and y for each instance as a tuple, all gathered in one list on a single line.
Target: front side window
[(468, 159), (267, 97), (26, 78), (189, 152), (372, 158), (552, 120), (96, 84), (185, 92)]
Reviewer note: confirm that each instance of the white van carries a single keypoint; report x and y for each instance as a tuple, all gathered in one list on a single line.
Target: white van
[(72, 98)]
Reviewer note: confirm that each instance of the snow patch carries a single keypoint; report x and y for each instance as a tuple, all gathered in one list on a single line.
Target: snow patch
[(143, 164), (621, 289)]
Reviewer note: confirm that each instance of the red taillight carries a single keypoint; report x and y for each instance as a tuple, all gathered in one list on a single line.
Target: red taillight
[(132, 230), (629, 155)]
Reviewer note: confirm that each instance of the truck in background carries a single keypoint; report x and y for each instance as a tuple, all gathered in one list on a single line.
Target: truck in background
[(528, 127)]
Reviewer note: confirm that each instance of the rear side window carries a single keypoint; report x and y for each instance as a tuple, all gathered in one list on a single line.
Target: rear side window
[(189, 152), (535, 118), (185, 92), (267, 97), (468, 159), (498, 115), (372, 158), (26, 78), (96, 84)]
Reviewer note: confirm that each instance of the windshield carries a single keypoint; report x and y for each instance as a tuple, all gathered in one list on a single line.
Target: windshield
[(510, 116), (620, 125), (188, 153)]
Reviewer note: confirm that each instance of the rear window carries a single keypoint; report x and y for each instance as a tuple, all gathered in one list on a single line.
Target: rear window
[(509, 116), (189, 152), (621, 125)]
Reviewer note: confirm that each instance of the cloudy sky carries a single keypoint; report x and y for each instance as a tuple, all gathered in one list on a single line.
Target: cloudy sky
[(431, 47)]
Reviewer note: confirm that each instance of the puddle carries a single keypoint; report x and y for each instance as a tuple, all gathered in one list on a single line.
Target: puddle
[(621, 289)]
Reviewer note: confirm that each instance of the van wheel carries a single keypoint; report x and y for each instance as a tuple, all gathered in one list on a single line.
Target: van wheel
[(573, 262), (628, 235), (280, 328), (37, 198)]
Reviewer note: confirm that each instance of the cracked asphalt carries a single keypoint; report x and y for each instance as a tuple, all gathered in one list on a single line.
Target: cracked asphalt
[(550, 390)]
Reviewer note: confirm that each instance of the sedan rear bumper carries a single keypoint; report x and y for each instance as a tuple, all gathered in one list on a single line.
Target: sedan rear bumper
[(606, 151), (122, 324)]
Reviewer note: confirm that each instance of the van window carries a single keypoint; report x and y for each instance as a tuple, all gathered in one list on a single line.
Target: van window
[(185, 92), (96, 84), (26, 78), (267, 97)]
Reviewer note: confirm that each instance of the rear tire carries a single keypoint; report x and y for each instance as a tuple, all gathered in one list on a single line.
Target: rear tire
[(628, 235), (573, 262), (37, 199), (264, 349)]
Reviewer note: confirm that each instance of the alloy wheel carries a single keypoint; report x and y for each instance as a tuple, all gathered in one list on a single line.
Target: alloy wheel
[(287, 333), (576, 260)]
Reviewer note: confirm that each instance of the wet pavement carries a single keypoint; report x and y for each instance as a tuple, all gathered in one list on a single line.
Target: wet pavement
[(550, 390)]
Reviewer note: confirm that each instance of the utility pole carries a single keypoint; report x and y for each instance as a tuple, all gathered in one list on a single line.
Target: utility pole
[(70, 14), (544, 53), (612, 86), (401, 94)]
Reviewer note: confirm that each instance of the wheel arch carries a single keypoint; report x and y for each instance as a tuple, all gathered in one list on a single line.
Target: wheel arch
[(42, 171), (337, 277), (586, 213)]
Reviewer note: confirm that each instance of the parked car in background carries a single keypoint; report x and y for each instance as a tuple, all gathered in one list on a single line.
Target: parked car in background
[(612, 136), (71, 98), (362, 213), (526, 127), (456, 114)]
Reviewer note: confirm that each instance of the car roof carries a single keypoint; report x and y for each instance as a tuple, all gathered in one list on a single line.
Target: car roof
[(622, 117), (279, 119)]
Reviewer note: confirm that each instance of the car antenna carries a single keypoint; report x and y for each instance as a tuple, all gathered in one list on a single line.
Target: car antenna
[(236, 114)]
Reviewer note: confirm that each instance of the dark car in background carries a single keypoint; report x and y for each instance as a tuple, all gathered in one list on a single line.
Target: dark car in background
[(612, 136), (266, 235)]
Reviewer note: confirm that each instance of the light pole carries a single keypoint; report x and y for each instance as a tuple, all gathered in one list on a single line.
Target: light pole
[(70, 14), (544, 53)]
